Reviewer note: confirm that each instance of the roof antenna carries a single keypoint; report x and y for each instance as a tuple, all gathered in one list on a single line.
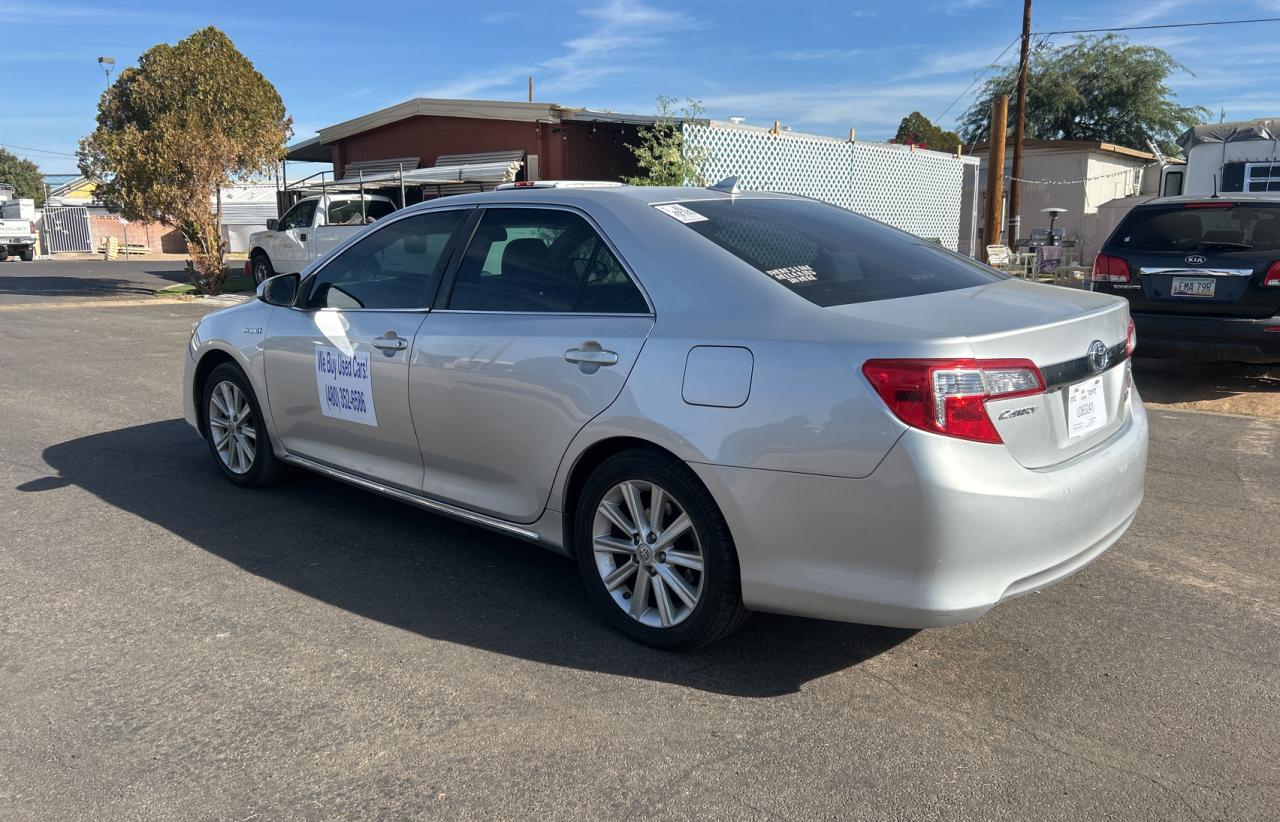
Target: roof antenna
[(729, 185), (1215, 196)]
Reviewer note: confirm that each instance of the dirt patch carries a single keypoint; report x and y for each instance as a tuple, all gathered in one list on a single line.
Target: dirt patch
[(1232, 388)]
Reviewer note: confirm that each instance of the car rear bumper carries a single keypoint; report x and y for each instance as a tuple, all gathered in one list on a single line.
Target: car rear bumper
[(1208, 338), (940, 533)]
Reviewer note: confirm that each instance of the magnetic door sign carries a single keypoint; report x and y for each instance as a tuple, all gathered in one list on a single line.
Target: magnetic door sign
[(345, 386)]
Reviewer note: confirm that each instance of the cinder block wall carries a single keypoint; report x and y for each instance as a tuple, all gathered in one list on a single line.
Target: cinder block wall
[(155, 236)]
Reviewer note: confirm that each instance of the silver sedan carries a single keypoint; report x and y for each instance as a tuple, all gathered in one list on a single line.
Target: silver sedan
[(714, 402)]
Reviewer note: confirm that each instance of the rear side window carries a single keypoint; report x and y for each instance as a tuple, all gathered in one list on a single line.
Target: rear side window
[(828, 255), (1224, 227), (535, 259), (349, 212)]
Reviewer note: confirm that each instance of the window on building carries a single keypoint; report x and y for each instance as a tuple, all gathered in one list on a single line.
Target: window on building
[(1262, 177)]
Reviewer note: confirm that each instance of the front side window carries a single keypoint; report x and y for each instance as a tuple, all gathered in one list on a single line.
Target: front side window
[(396, 267), (533, 259), (299, 216), (826, 254), (349, 212)]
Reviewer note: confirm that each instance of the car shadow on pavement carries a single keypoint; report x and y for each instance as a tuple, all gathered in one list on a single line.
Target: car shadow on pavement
[(55, 286), (425, 573)]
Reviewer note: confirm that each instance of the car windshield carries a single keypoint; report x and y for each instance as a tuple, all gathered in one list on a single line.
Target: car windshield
[(1206, 226), (826, 254)]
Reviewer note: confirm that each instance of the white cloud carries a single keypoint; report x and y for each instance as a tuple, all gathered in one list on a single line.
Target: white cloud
[(807, 55), (953, 8), (620, 32)]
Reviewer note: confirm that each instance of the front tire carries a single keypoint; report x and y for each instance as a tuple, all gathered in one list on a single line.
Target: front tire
[(260, 265), (655, 552), (236, 431)]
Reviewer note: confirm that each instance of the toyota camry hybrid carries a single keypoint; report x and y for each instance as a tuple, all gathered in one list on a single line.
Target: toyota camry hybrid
[(713, 401)]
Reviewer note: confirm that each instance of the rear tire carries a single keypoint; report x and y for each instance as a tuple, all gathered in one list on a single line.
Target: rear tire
[(673, 582), (4, 254), (28, 254), (236, 431), (260, 266)]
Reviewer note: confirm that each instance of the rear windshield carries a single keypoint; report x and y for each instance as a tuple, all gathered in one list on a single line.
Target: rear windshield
[(828, 255), (1222, 228)]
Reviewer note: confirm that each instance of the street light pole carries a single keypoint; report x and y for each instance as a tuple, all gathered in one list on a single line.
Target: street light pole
[(1019, 130), (107, 64)]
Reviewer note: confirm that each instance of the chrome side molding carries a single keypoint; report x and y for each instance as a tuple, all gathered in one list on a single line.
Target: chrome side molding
[(414, 499)]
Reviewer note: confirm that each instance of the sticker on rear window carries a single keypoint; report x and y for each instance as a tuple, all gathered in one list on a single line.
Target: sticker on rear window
[(794, 274), (684, 215)]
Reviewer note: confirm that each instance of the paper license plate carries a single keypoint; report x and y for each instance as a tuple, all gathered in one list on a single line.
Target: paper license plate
[(1086, 408), (1192, 287)]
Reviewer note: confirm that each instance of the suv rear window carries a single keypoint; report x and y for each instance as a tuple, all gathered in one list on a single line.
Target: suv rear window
[(828, 255), (1206, 226)]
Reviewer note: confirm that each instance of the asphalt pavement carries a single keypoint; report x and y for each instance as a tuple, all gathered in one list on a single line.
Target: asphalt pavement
[(174, 647)]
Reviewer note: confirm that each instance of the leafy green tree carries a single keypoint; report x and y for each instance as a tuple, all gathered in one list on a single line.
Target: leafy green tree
[(188, 120), (1093, 88), (662, 154), (23, 175), (918, 129)]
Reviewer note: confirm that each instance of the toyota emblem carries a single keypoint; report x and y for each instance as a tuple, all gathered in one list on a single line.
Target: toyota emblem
[(1195, 259), (1099, 356)]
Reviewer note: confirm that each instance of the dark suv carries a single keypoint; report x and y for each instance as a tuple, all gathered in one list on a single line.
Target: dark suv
[(1202, 276)]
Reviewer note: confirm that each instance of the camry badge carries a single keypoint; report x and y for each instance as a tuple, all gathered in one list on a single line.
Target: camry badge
[(1195, 259), (1099, 356)]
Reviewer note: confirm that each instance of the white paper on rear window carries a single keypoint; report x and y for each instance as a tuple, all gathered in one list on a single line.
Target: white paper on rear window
[(684, 215)]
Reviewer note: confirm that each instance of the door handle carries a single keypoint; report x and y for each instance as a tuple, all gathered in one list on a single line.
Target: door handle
[(591, 357), (303, 237), (390, 342)]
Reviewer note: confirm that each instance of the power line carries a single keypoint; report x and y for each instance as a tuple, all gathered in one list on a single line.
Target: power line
[(1162, 26), (984, 73), (39, 150)]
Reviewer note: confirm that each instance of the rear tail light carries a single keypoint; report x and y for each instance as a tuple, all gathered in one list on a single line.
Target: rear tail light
[(949, 397), (1272, 277), (1108, 269), (1130, 339), (248, 269)]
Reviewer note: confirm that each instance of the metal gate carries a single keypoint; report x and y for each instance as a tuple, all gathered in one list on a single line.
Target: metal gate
[(67, 229)]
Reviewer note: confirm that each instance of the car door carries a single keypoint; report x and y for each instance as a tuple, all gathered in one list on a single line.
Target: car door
[(536, 336), (337, 364), (289, 244)]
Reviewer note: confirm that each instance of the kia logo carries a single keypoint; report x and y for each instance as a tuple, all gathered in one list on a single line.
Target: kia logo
[(1195, 259), (1099, 356)]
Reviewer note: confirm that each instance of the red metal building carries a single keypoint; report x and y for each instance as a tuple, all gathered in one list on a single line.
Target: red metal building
[(557, 142)]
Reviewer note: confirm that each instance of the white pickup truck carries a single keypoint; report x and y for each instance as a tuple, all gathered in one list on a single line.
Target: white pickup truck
[(309, 229), (17, 237)]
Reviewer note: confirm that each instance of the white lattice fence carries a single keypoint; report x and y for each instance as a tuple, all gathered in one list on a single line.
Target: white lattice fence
[(918, 191)]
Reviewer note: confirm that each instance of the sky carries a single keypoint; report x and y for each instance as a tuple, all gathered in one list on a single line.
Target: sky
[(820, 66)]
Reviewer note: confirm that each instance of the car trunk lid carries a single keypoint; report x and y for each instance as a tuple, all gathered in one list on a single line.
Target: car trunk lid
[(1075, 338)]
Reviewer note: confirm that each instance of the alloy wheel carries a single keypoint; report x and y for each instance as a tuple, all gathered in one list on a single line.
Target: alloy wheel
[(231, 427), (648, 553)]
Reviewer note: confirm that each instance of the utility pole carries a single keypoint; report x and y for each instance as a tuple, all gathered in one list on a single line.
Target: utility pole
[(530, 88), (995, 170), (1019, 130), (107, 64)]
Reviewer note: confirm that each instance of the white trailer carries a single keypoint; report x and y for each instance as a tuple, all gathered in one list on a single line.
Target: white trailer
[(1241, 156)]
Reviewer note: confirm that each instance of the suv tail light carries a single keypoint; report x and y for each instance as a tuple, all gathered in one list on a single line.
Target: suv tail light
[(1272, 277), (1130, 339), (949, 397), (1109, 269)]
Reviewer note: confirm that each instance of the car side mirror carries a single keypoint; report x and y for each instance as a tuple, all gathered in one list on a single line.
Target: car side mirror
[(273, 224), (281, 290)]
